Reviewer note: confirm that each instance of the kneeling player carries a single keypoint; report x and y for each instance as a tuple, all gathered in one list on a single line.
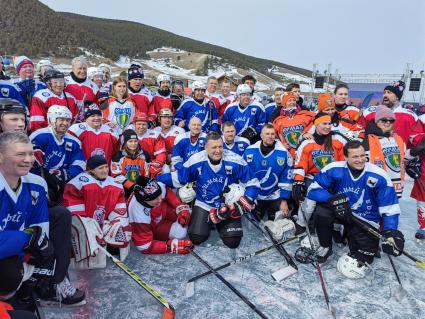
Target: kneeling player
[(158, 218), (350, 191)]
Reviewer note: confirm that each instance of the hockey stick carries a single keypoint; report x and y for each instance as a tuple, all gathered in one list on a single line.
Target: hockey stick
[(316, 264), (190, 283), (371, 230), (168, 312), (400, 293), (283, 272), (228, 284)]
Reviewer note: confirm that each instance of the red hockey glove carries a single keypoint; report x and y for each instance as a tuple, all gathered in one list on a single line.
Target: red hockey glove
[(242, 206), (180, 247), (183, 214), (155, 168), (219, 214)]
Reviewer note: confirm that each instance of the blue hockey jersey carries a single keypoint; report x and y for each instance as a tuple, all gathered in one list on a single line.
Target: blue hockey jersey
[(212, 179), (10, 91), (372, 195), (239, 145), (66, 154), (25, 208), (273, 171), (253, 115), (206, 112), (183, 148), (269, 108)]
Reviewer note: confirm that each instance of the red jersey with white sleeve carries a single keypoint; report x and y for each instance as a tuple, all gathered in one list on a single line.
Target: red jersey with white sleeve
[(170, 136), (43, 100), (158, 103), (82, 90), (152, 143), (102, 141), (141, 99), (151, 226)]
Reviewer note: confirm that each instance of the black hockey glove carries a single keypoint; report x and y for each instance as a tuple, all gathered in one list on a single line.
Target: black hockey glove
[(341, 206), (413, 167), (217, 215), (298, 191), (39, 249), (27, 87), (394, 243), (250, 133), (242, 206), (420, 148)]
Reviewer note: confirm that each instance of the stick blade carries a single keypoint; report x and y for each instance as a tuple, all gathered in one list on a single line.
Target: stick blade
[(190, 289), (284, 273)]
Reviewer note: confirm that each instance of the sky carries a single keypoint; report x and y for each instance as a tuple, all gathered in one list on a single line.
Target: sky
[(354, 36)]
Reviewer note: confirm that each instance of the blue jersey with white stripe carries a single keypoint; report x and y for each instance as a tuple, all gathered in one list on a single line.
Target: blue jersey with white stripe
[(372, 195), (183, 148), (273, 171), (252, 115), (64, 154), (25, 208), (8, 90), (239, 145), (212, 179), (206, 112)]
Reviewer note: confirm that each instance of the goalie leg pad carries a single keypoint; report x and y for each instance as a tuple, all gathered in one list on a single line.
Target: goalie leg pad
[(282, 228), (199, 227)]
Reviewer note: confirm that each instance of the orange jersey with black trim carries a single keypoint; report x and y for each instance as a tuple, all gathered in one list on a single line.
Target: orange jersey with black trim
[(351, 112), (126, 169), (312, 157), (290, 129)]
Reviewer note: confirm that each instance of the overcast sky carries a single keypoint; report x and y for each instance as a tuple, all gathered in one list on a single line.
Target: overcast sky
[(356, 36)]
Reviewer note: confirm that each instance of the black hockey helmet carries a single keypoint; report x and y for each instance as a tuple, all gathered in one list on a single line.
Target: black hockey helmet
[(50, 74), (12, 106)]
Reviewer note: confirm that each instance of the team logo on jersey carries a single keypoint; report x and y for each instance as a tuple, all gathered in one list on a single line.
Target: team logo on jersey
[(267, 179), (229, 169), (99, 214), (83, 179), (249, 158), (45, 94), (122, 117), (371, 181), (81, 127), (321, 158), (241, 147), (253, 111), (97, 151), (68, 146), (392, 158), (133, 172), (263, 163), (280, 161), (34, 197), (292, 135), (5, 92), (201, 143)]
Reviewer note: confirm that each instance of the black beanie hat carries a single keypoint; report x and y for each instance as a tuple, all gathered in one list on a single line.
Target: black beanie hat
[(397, 88), (95, 161), (135, 72)]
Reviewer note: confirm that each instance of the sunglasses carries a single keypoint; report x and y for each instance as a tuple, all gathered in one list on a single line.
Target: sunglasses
[(391, 121)]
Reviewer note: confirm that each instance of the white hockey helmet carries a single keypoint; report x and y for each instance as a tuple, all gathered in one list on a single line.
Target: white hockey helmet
[(165, 112), (243, 88), (186, 193), (163, 78), (43, 63), (198, 85), (235, 192), (351, 268), (102, 66), (58, 111), (93, 71)]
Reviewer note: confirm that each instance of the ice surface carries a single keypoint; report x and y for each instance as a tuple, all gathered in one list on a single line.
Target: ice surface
[(112, 294)]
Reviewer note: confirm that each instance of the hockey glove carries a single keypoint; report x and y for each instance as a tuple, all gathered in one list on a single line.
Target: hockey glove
[(298, 191), (250, 133), (180, 247), (39, 157), (183, 214), (242, 206), (155, 168), (413, 167), (186, 193), (27, 87), (39, 250), (219, 214), (341, 206), (116, 234), (395, 242), (418, 149), (58, 176)]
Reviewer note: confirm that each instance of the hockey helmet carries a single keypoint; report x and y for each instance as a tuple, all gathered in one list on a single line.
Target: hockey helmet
[(163, 78), (58, 111), (43, 63), (351, 267), (243, 88), (93, 71), (140, 117), (105, 66), (166, 112), (198, 85), (52, 74), (11, 106)]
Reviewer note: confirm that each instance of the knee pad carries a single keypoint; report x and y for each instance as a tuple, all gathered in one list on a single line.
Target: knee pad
[(197, 239), (232, 242), (230, 228), (177, 231), (199, 222)]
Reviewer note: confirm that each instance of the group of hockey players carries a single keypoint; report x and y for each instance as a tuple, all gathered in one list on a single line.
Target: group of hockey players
[(87, 161)]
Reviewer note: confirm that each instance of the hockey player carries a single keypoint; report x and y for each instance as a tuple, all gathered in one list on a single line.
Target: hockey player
[(213, 169), (232, 142), (247, 115), (275, 105), (13, 116), (177, 94), (348, 113), (355, 189), (168, 131), (271, 164), (251, 81), (77, 84), (107, 73), (58, 153), (54, 94), (129, 163), (212, 94), (26, 233), (187, 144), (95, 195), (95, 137), (294, 89), (159, 219), (226, 97), (139, 93), (26, 82), (198, 106), (9, 91), (293, 123), (151, 143), (385, 148), (119, 110), (161, 99), (42, 66)]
